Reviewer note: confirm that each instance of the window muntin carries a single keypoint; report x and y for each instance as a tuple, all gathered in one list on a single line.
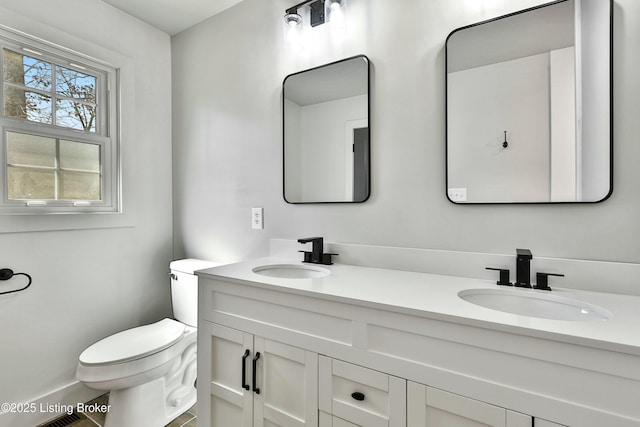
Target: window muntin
[(49, 93), (44, 168), (58, 132)]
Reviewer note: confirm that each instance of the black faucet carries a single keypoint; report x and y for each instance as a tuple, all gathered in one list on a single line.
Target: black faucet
[(317, 255), (523, 268), (523, 273)]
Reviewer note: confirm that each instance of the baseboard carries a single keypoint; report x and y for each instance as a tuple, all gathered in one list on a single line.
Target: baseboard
[(48, 406)]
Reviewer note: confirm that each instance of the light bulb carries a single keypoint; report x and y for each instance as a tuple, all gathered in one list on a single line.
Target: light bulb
[(335, 12), (293, 30)]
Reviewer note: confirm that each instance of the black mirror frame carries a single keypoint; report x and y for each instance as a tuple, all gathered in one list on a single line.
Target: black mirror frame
[(368, 61), (610, 111)]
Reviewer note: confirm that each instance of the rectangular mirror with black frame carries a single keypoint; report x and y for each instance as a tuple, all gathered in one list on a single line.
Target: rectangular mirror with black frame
[(326, 132), (529, 106)]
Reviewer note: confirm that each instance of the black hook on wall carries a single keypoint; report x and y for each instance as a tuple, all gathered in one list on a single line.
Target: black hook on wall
[(7, 273), (505, 144)]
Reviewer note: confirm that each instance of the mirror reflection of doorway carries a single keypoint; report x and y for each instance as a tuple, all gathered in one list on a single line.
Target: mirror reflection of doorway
[(360, 164), (356, 157)]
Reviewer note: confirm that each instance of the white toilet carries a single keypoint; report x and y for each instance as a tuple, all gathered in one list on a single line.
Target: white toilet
[(150, 371)]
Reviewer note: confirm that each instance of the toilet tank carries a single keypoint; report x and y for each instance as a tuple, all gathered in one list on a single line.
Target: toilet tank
[(184, 288)]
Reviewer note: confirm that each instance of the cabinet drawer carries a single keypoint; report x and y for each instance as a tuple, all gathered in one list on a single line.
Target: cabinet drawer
[(360, 395), (327, 420)]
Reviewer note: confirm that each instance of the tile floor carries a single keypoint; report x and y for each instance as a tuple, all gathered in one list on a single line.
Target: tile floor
[(90, 419)]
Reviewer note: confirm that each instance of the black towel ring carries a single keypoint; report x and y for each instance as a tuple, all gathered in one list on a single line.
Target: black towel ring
[(7, 273)]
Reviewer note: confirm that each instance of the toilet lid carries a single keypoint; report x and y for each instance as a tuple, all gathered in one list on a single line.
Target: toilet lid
[(133, 343)]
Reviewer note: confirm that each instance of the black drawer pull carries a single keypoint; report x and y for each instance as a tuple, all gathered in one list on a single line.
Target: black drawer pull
[(358, 396), (255, 368), (244, 370)]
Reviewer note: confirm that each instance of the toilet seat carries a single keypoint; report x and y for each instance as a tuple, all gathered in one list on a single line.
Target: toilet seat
[(133, 344), (134, 356)]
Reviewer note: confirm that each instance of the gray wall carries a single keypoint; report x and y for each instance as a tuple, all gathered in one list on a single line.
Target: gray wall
[(89, 283), (227, 140)]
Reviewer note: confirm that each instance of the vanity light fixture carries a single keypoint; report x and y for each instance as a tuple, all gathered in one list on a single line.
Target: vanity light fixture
[(321, 11), (317, 13)]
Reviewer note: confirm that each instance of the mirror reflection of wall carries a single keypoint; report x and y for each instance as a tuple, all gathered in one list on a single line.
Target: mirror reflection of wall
[(528, 106), (326, 133)]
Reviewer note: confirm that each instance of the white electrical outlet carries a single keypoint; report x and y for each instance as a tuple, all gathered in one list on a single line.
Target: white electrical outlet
[(457, 194), (257, 222)]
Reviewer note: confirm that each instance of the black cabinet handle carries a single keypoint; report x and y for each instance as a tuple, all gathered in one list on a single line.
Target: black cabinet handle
[(255, 369), (244, 370), (358, 396)]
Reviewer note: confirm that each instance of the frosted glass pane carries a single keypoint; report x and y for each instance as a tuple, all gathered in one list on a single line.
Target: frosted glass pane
[(79, 186), (79, 156), (28, 184), (30, 150)]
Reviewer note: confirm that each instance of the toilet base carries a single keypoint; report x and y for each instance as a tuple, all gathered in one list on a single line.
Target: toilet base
[(137, 406), (158, 402)]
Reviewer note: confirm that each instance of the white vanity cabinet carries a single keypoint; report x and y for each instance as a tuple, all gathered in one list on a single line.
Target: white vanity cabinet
[(330, 359), (327, 420), (254, 381), (431, 407)]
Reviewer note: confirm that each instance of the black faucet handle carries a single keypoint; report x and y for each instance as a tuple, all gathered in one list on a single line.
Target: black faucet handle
[(308, 256), (504, 276), (326, 259), (542, 281)]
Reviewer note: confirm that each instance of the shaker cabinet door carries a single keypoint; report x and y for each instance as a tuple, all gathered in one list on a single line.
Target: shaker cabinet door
[(430, 407), (231, 402), (287, 383)]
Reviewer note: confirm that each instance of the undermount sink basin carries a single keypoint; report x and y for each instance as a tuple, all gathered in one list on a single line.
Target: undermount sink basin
[(291, 271), (535, 304)]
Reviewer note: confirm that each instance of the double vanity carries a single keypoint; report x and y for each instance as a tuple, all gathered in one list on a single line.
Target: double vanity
[(528, 120), (286, 343)]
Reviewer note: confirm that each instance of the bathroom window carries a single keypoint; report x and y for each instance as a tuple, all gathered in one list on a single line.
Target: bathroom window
[(58, 122)]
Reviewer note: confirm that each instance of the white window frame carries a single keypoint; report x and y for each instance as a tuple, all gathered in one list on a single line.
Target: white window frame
[(106, 135)]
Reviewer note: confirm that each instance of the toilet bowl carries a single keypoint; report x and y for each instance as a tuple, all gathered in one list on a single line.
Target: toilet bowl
[(150, 371)]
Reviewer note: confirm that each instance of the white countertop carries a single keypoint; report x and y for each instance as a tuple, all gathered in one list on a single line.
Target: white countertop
[(436, 296)]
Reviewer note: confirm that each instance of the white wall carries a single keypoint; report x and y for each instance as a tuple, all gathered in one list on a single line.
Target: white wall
[(323, 147), (293, 171), (563, 157), (319, 163), (593, 70), (89, 283), (228, 154), (486, 101)]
